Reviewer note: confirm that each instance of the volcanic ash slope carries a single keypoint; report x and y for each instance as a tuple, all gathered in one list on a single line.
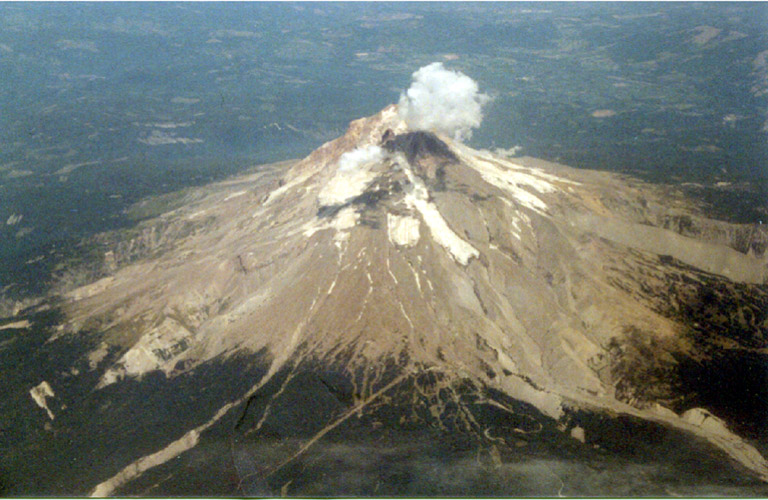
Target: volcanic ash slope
[(430, 276)]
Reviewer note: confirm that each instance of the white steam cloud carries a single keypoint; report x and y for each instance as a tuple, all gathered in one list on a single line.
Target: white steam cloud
[(444, 101), (360, 156), (352, 176)]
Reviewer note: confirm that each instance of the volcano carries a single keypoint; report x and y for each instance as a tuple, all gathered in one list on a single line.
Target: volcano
[(401, 314)]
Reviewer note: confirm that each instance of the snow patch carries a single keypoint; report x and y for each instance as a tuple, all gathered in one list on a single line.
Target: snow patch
[(578, 434), (514, 182), (353, 174), (706, 421), (16, 324), (160, 138), (40, 393), (521, 182), (346, 219), (235, 195), (97, 355), (158, 349), (176, 448), (460, 250), (518, 219), (14, 219), (402, 230), (88, 291)]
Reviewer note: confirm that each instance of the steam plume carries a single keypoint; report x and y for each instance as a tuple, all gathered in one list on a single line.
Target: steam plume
[(444, 101), (360, 156), (352, 176)]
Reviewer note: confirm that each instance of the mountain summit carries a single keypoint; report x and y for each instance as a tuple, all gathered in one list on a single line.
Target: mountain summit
[(399, 313)]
